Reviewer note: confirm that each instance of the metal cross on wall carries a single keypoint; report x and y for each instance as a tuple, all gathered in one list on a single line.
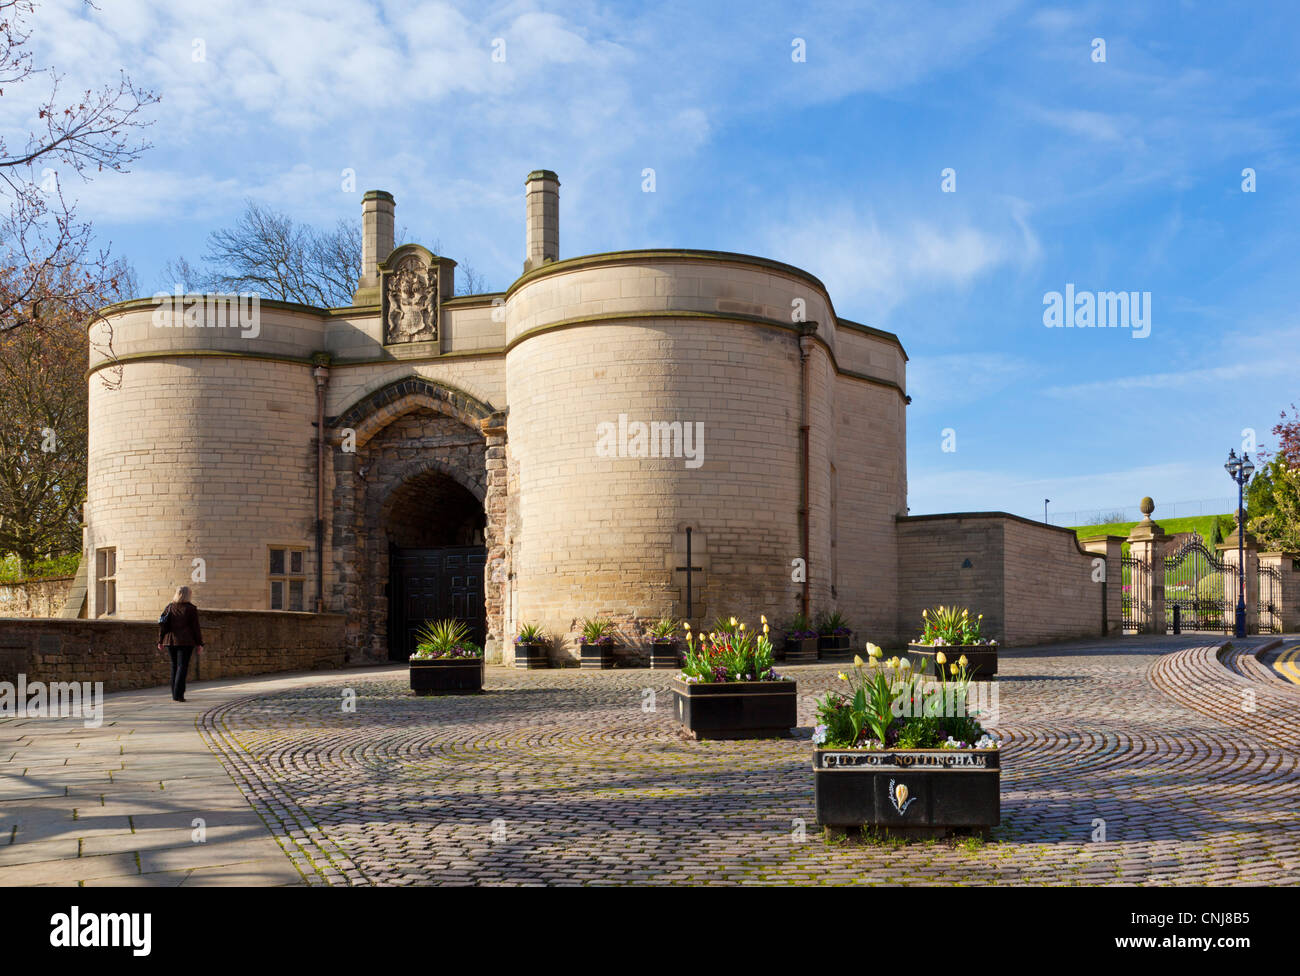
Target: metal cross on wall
[(688, 569)]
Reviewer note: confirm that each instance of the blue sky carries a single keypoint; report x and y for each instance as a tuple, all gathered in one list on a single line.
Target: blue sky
[(1117, 175)]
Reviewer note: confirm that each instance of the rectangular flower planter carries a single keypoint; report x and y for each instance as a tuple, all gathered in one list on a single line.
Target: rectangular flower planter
[(910, 792), (447, 676), (833, 644), (531, 656), (803, 651), (665, 656), (982, 660), (736, 709), (599, 657)]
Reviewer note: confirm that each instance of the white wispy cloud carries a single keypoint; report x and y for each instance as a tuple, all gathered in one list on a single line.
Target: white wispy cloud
[(876, 264)]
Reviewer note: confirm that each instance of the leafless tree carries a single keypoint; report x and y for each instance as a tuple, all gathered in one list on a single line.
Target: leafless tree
[(268, 252), (43, 244)]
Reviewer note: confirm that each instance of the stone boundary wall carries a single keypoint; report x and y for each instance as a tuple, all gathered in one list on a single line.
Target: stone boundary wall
[(932, 552), (1050, 591), (124, 655), (34, 598), (1032, 582)]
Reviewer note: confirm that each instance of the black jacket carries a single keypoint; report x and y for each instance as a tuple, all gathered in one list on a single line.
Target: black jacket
[(180, 626)]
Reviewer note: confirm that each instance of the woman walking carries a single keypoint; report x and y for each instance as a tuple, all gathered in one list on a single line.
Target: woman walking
[(178, 629)]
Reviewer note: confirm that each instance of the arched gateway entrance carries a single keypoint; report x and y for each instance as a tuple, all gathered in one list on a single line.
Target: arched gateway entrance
[(413, 539), (436, 559)]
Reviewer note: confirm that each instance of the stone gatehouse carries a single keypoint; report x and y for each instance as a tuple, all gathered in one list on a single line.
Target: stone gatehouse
[(520, 456)]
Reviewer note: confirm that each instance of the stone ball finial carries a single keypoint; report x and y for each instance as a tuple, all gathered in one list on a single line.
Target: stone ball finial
[(1147, 506)]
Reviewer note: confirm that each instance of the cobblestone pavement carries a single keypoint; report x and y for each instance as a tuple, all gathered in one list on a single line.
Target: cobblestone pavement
[(1138, 761)]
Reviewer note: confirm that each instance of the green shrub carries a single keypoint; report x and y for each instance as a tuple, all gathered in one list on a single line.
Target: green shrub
[(12, 570)]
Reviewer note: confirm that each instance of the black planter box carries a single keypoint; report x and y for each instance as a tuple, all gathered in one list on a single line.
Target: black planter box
[(665, 656), (531, 656), (982, 660), (598, 657), (736, 709), (447, 675), (833, 644), (917, 792), (802, 651)]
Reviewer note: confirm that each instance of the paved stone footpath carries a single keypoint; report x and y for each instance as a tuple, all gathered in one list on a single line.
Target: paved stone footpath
[(137, 800), (1139, 761)]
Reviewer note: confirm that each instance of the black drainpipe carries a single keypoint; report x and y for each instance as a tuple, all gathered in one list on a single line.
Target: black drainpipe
[(321, 374), (806, 333)]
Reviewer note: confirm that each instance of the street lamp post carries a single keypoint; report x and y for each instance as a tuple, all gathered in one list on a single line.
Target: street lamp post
[(1240, 472)]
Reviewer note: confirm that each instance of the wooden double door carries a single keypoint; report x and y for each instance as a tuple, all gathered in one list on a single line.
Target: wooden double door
[(426, 585)]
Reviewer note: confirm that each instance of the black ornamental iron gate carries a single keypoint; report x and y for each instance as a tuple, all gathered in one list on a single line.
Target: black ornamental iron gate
[(1270, 600), (1200, 590), (1133, 599)]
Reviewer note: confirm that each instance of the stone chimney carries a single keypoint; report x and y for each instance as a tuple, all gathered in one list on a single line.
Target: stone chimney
[(377, 208), (542, 226)]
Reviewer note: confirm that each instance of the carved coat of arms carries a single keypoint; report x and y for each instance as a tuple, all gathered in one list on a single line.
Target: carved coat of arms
[(411, 302)]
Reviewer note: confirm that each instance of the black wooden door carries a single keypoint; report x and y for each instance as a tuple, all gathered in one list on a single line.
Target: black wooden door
[(433, 584)]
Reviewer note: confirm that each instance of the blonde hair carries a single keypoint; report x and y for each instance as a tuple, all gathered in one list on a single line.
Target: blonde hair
[(182, 595)]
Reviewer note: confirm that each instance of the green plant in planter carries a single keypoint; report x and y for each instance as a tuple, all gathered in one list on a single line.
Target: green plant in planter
[(444, 639), (599, 630), (731, 655), (832, 624), (725, 625), (952, 625), (531, 634), (663, 630), (799, 627), (891, 705)]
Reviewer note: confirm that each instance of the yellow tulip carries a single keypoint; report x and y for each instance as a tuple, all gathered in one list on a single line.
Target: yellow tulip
[(733, 621), (857, 661), (952, 669), (962, 661), (941, 658), (763, 618)]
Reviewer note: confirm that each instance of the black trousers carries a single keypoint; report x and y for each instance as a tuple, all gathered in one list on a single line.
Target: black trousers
[(180, 669)]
